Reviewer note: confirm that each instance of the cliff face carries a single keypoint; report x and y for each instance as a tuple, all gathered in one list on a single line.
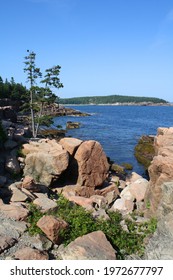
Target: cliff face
[(160, 170), (159, 197)]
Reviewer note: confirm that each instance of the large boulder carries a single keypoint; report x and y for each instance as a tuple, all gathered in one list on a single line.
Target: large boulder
[(92, 246), (70, 144), (92, 164), (45, 160), (160, 170), (160, 246)]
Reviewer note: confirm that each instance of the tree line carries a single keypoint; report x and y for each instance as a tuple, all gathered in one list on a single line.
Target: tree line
[(110, 99), (12, 90)]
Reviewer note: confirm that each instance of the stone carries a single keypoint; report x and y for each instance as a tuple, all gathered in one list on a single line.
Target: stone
[(12, 165), (109, 188), (6, 242), (3, 180), (10, 144), (100, 214), (98, 201), (72, 125), (115, 179), (92, 246), (15, 211), (28, 253), (123, 205), (138, 189), (30, 185), (45, 161), (92, 164), (160, 245), (18, 195), (45, 204), (126, 194), (119, 205), (11, 228), (52, 226), (70, 144), (111, 197), (84, 202), (160, 170), (133, 177)]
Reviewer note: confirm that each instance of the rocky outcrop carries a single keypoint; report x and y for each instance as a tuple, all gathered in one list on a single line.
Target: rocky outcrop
[(88, 247), (144, 150), (160, 246), (8, 113), (160, 170), (92, 164), (45, 160), (159, 197)]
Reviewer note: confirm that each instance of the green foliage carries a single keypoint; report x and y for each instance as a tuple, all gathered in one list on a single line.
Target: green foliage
[(40, 97), (13, 91), (35, 215), (110, 99), (81, 222)]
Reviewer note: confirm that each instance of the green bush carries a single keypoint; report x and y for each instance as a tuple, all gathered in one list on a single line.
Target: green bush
[(81, 222)]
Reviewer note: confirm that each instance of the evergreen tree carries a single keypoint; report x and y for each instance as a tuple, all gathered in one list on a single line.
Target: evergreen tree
[(40, 96)]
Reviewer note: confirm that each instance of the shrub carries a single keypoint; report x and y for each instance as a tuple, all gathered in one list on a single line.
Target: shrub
[(81, 222)]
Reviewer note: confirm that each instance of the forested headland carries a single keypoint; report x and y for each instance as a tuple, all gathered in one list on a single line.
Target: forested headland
[(110, 99)]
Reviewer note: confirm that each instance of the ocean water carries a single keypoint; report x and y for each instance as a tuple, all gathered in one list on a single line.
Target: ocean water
[(118, 128)]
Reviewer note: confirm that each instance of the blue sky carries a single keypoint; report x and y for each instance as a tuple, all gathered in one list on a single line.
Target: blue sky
[(103, 46)]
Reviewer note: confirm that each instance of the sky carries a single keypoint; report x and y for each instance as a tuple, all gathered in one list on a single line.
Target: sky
[(104, 47)]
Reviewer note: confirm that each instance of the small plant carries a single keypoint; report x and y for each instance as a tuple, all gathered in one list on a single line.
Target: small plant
[(148, 205), (35, 215)]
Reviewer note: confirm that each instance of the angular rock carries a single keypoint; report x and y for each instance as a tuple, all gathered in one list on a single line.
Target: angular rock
[(92, 246), (92, 164), (45, 161), (11, 228), (160, 245), (126, 194), (45, 204), (85, 202), (70, 144), (30, 185), (12, 165), (123, 205), (6, 242), (18, 195), (98, 201), (160, 170), (15, 211), (137, 189), (28, 253), (133, 177), (52, 226)]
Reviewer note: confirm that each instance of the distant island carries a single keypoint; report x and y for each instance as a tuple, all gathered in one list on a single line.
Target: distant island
[(112, 100)]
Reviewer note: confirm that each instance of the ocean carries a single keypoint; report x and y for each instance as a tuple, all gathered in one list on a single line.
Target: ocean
[(118, 128)]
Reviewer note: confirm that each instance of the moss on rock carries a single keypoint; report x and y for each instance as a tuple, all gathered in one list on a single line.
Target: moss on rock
[(144, 150)]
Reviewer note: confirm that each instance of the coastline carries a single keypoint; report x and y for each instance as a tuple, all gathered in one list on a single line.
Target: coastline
[(121, 104)]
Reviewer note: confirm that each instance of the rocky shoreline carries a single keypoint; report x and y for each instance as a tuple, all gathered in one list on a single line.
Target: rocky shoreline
[(37, 173)]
